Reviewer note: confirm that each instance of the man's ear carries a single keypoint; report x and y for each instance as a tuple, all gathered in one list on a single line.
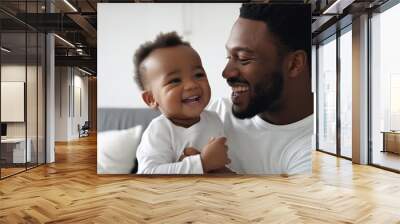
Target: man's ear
[(297, 63), (148, 98)]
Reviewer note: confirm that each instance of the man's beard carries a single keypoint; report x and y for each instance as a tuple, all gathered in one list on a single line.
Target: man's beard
[(266, 96)]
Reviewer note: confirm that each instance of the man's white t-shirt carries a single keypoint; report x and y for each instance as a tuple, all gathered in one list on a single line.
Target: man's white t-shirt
[(163, 143), (258, 147)]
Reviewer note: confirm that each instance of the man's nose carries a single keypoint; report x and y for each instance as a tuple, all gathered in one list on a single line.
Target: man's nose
[(230, 71)]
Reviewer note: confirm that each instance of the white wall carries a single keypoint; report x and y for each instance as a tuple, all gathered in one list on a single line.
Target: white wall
[(67, 80), (61, 103), (123, 27), (80, 83)]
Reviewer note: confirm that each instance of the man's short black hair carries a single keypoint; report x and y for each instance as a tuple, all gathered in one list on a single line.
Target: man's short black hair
[(289, 23), (163, 40)]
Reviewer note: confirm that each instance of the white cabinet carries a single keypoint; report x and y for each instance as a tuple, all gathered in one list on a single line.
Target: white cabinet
[(17, 145)]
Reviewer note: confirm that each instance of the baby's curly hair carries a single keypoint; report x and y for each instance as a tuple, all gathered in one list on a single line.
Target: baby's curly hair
[(163, 40)]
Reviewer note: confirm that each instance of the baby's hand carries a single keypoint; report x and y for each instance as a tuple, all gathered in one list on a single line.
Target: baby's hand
[(188, 152), (214, 154)]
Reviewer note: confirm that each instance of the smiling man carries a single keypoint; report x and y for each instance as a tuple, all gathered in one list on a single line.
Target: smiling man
[(268, 121)]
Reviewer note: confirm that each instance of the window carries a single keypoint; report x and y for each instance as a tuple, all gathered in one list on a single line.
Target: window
[(22, 77), (327, 96), (385, 89), (346, 93)]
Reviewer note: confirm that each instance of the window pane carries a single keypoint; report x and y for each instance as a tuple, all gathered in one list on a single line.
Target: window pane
[(346, 94), (15, 150), (327, 96), (31, 100), (41, 98), (385, 83)]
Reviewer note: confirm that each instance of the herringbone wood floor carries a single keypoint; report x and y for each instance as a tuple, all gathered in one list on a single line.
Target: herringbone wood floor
[(70, 191)]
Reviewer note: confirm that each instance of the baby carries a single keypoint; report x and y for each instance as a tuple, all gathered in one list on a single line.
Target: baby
[(172, 79)]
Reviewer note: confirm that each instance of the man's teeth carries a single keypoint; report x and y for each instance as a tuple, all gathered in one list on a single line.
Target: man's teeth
[(238, 89)]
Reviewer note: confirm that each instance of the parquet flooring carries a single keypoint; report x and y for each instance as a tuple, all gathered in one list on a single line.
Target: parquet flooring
[(70, 191), (9, 171), (387, 159)]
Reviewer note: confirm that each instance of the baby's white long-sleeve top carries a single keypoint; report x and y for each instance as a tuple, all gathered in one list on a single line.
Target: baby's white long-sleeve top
[(163, 143)]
